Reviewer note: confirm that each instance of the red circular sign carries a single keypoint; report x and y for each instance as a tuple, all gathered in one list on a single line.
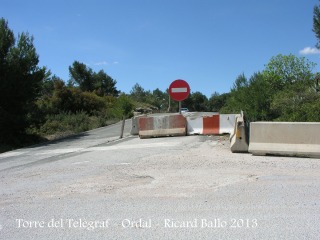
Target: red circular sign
[(179, 90)]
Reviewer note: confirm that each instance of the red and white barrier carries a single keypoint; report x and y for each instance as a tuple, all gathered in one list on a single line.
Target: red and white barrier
[(211, 125), (160, 126)]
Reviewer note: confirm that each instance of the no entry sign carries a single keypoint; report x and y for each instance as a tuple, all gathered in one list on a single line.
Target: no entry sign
[(179, 90)]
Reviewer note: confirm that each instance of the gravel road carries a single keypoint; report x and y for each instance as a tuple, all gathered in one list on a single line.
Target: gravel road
[(165, 188)]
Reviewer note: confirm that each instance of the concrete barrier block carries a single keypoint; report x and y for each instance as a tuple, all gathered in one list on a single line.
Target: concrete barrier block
[(160, 126), (238, 136), (210, 125), (285, 138), (227, 122), (135, 125)]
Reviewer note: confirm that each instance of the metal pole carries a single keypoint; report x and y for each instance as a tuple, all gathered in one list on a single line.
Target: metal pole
[(180, 107)]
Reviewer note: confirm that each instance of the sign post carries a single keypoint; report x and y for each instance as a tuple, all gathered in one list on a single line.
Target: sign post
[(179, 90)]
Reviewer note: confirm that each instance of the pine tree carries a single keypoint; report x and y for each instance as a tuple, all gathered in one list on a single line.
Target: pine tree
[(20, 82)]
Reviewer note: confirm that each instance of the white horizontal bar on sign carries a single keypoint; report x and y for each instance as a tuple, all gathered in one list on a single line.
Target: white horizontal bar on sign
[(177, 90)]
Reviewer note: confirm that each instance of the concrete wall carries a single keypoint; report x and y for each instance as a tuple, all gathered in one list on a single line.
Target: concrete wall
[(285, 138)]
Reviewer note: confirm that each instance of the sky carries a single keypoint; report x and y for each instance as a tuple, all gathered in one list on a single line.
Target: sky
[(207, 43)]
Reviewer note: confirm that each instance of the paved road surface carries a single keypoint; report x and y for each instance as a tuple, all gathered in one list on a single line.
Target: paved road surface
[(45, 152), (166, 188)]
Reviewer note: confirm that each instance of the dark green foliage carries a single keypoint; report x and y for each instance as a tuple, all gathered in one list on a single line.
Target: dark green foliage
[(196, 102), (138, 94), (287, 69), (217, 101), (156, 98), (253, 96), (316, 24), (317, 82), (73, 100), (7, 41), (63, 124), (47, 87), (104, 85), (89, 81), (82, 76), (297, 102), (284, 91), (20, 82), (123, 106), (159, 99)]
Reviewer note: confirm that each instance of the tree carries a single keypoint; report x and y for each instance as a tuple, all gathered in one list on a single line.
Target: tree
[(158, 99), (47, 87), (124, 106), (71, 100), (252, 96), (279, 92), (196, 102), (138, 93), (20, 82), (237, 99), (259, 95), (241, 82), (316, 24), (82, 76), (293, 84), (105, 85), (297, 102), (288, 69), (88, 80), (317, 82), (217, 101)]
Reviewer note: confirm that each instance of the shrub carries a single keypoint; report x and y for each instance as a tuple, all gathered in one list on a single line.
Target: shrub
[(69, 123)]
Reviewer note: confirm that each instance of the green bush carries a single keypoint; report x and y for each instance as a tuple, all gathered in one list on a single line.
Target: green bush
[(69, 123), (91, 103), (70, 99)]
